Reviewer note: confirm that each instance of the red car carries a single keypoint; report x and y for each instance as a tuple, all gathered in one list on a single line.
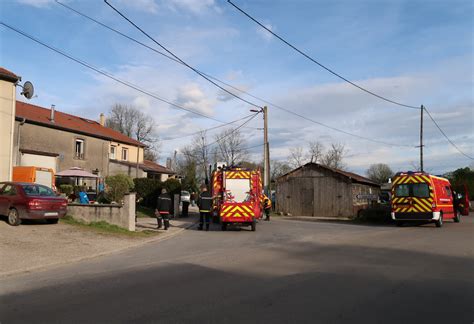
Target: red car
[(21, 200)]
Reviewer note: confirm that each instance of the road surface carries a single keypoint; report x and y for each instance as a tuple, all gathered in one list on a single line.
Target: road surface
[(286, 272)]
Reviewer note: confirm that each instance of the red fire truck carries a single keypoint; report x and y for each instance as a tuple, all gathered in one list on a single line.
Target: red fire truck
[(237, 194), (420, 196)]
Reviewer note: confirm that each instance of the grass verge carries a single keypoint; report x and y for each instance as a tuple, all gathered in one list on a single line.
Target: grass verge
[(105, 228)]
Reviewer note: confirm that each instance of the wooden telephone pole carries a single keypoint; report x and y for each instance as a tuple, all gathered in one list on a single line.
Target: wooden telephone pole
[(421, 137), (266, 153)]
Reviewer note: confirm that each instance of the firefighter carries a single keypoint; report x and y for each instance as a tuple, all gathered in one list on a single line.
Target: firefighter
[(163, 209), (267, 206), (205, 206)]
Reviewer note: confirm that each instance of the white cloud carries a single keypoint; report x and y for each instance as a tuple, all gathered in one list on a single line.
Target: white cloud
[(192, 97), (141, 5), (193, 6), (267, 36), (36, 3)]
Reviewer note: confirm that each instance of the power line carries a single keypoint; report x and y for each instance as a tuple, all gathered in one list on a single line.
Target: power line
[(229, 85), (446, 136), (207, 129), (108, 75), (316, 62), (233, 131), (179, 59)]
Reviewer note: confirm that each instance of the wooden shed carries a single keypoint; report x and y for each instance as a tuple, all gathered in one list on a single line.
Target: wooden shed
[(317, 190)]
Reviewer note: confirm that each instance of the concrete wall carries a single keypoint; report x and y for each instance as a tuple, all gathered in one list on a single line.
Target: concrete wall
[(39, 138), (7, 119), (122, 216), (130, 170), (132, 152)]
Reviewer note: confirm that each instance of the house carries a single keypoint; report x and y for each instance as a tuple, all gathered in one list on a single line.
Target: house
[(317, 190), (8, 82), (53, 139)]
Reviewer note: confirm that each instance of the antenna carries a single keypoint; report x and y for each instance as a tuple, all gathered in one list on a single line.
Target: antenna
[(28, 90)]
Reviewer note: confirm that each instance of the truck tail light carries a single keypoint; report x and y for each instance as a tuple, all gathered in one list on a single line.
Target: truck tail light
[(433, 205), (64, 204)]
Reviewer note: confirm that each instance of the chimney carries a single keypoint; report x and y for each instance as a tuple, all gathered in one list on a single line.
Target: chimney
[(51, 118), (102, 119)]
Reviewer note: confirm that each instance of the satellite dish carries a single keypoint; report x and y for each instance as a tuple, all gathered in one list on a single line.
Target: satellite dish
[(28, 90)]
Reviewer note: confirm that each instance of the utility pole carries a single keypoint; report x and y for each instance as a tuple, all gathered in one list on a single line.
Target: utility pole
[(266, 153), (421, 138)]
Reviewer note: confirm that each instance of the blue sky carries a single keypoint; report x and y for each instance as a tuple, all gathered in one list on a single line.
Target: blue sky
[(416, 52)]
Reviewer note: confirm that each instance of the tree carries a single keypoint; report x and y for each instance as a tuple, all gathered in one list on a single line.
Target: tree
[(461, 177), (297, 158), (333, 158), (278, 168), (316, 151), (379, 172), (231, 146), (133, 123), (195, 156)]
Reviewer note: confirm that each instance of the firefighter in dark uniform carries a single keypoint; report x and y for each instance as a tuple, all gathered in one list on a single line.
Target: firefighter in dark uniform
[(205, 207), (163, 209)]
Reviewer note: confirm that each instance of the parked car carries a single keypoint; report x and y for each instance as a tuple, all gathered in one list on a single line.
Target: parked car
[(185, 196), (21, 200)]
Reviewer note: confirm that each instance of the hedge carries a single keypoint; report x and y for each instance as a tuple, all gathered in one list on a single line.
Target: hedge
[(148, 190)]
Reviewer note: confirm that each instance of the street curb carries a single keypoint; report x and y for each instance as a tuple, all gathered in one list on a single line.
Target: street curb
[(100, 254)]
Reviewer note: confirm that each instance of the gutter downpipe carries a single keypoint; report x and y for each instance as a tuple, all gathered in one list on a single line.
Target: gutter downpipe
[(18, 157)]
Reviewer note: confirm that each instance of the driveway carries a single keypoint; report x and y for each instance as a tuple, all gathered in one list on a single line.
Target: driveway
[(36, 245)]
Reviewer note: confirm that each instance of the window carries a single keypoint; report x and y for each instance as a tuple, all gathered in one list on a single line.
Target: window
[(38, 190), (79, 149), (419, 190), (124, 154), (8, 190), (112, 152), (448, 191), (402, 190)]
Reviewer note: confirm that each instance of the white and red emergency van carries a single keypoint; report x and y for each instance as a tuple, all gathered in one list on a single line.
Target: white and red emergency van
[(418, 196)]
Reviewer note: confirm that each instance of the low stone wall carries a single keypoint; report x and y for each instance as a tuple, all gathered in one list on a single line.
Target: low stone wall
[(123, 216)]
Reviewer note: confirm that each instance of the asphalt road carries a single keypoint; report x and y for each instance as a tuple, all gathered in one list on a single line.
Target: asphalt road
[(286, 272)]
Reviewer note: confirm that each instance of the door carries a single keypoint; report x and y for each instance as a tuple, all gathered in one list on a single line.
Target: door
[(307, 202), (7, 193)]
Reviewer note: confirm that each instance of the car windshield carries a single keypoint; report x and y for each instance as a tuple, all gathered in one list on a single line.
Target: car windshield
[(185, 193), (37, 190)]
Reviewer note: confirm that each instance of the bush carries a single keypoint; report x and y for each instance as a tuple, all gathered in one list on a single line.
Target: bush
[(148, 190), (117, 186), (66, 189)]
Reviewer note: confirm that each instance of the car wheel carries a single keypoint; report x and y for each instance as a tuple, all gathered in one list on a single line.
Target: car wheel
[(439, 222), (14, 217), (399, 223), (224, 226), (254, 226), (52, 220)]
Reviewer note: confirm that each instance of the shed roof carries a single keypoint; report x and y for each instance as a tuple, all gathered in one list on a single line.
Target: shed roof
[(350, 175), (147, 166), (41, 116)]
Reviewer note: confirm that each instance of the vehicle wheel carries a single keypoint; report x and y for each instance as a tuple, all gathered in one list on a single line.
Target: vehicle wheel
[(14, 217), (254, 226), (52, 220), (439, 222), (399, 223), (224, 226)]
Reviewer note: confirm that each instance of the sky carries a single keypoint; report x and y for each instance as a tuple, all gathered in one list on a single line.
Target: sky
[(413, 52)]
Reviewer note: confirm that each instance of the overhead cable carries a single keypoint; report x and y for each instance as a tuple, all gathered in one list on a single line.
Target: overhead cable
[(446, 136), (108, 75), (179, 59), (231, 86), (318, 63)]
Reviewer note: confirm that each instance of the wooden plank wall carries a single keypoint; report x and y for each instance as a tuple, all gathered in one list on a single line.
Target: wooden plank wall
[(331, 194)]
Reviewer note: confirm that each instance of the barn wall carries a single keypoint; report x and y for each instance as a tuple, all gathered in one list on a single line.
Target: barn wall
[(319, 192)]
